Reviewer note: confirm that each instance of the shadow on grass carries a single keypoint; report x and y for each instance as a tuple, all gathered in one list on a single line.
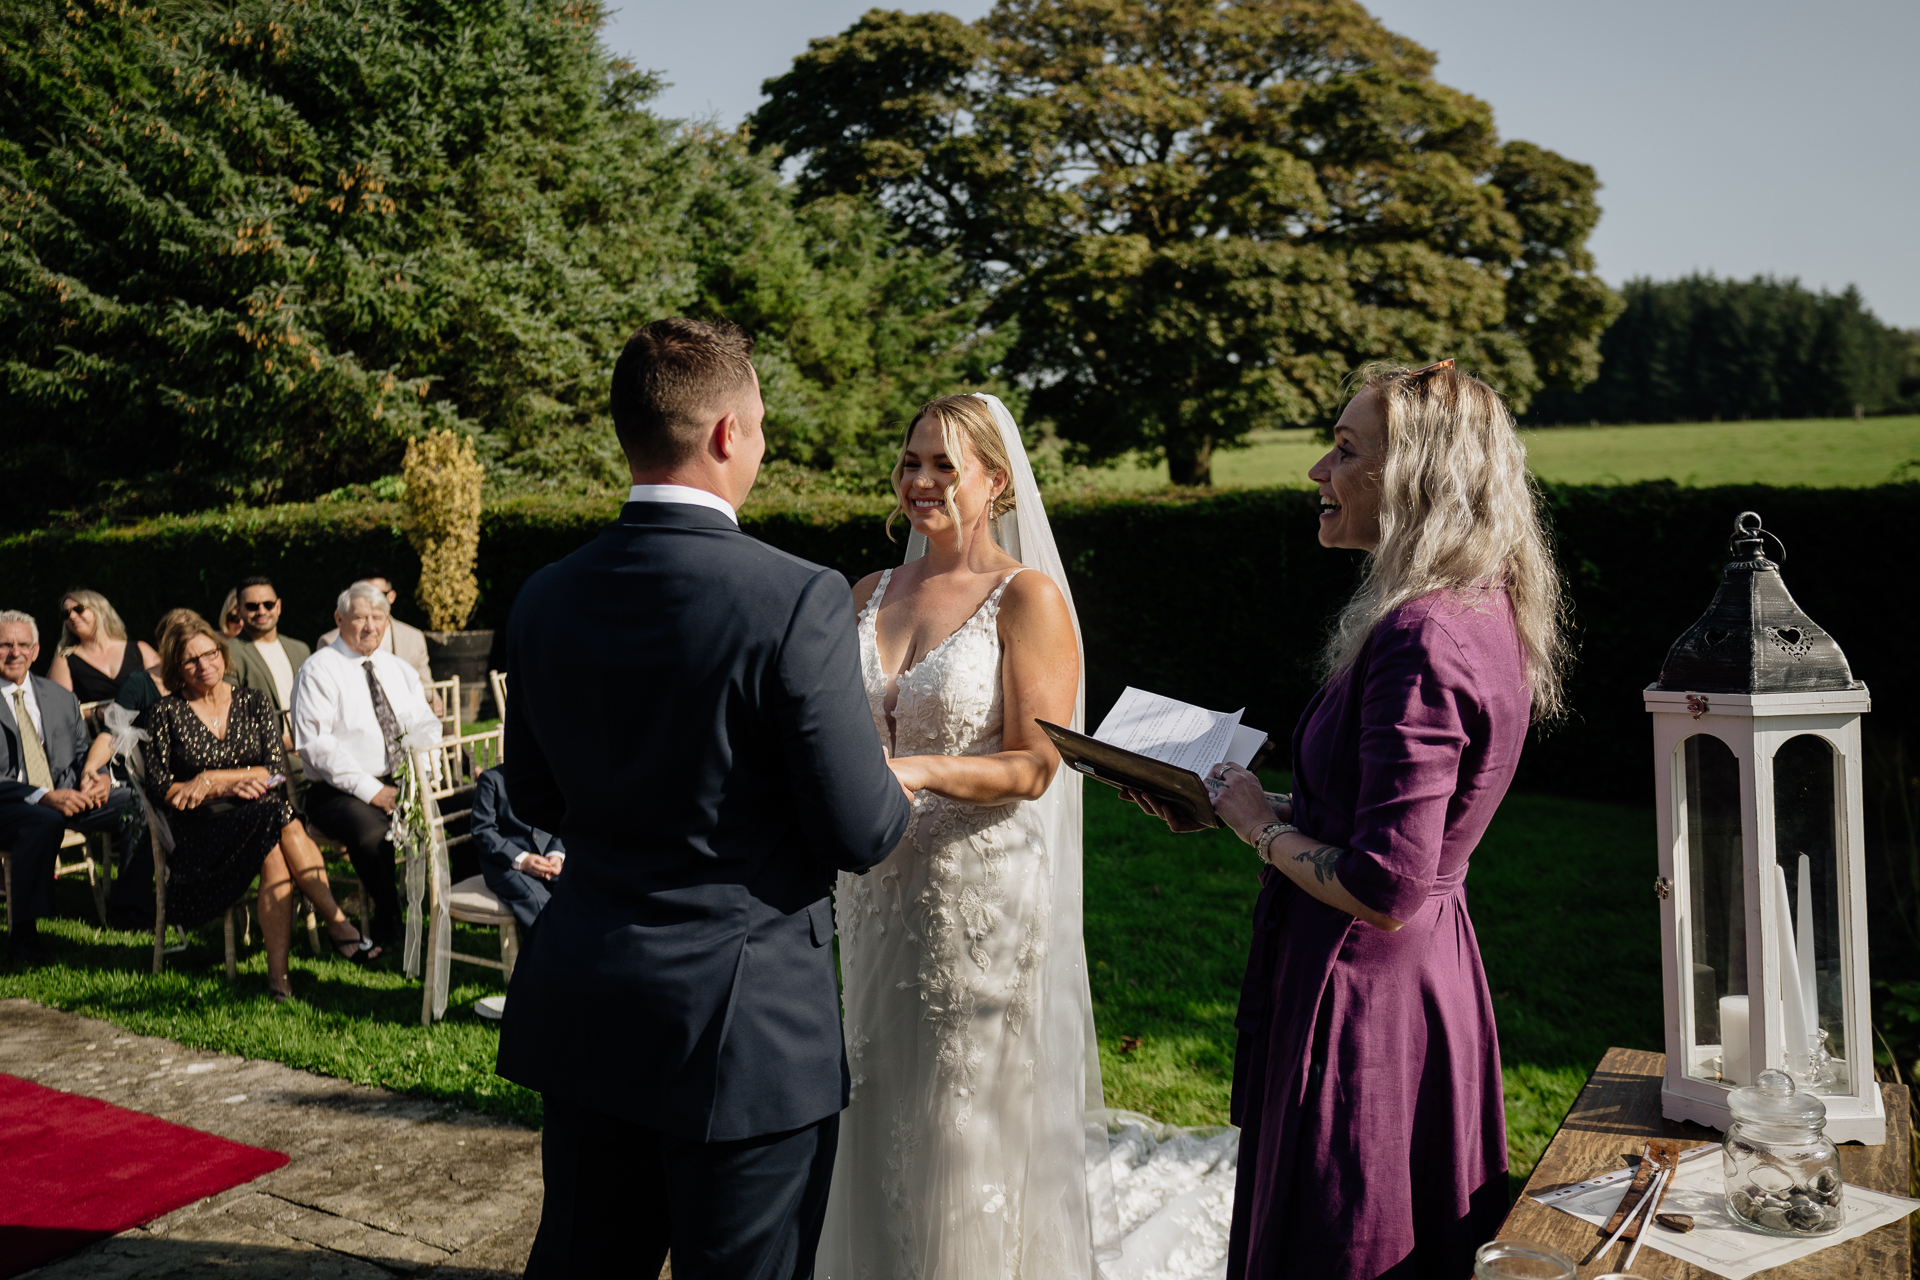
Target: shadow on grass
[(352, 1023)]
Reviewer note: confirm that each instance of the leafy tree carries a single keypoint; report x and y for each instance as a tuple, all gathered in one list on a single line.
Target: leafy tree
[(1201, 215), (247, 252), (1701, 348)]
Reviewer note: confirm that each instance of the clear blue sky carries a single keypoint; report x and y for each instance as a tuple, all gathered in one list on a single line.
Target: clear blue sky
[(1734, 136)]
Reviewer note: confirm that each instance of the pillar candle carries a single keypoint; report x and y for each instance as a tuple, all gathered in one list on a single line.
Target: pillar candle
[(1735, 1053), (1803, 940), (1794, 1024)]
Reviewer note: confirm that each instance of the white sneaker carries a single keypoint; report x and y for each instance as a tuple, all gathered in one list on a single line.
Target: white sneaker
[(492, 1008)]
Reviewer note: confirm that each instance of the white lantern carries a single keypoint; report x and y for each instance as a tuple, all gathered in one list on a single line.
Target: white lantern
[(1757, 776)]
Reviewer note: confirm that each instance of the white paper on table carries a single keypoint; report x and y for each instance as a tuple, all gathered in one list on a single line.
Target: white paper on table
[(1716, 1243), (1172, 732)]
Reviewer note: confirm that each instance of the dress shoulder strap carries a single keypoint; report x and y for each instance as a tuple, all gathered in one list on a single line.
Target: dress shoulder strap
[(992, 607), (879, 593)]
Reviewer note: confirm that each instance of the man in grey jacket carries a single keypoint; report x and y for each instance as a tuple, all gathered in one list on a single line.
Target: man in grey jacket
[(52, 778)]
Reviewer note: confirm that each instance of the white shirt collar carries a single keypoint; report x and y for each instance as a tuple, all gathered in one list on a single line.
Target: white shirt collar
[(7, 686), (683, 494)]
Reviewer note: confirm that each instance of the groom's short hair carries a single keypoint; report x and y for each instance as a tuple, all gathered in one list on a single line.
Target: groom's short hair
[(671, 373)]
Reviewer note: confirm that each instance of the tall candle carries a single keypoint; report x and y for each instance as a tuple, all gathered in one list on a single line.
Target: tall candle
[(1794, 1024), (1803, 941), (1736, 1056)]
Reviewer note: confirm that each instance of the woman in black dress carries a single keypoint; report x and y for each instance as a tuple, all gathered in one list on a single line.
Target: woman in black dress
[(214, 758), (95, 656)]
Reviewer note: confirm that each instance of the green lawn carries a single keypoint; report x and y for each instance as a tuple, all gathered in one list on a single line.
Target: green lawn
[(1825, 452), (1560, 892), (1561, 895)]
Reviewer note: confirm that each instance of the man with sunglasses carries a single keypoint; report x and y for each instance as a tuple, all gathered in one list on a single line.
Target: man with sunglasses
[(264, 659)]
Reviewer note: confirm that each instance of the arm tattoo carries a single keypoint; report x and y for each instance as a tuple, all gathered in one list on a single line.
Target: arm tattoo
[(1321, 860)]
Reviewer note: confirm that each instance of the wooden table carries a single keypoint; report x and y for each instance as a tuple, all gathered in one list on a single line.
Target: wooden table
[(1620, 1109)]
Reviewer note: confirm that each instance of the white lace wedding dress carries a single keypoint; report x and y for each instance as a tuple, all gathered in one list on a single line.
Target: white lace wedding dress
[(941, 960), (976, 1145)]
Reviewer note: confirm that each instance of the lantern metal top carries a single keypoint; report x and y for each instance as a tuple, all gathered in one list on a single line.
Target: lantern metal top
[(1753, 638)]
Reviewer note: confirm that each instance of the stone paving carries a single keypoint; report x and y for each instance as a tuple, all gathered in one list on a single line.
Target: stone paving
[(379, 1184)]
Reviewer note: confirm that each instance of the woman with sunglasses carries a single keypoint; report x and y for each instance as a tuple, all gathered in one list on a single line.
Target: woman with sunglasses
[(94, 655), (216, 768), (1367, 1076)]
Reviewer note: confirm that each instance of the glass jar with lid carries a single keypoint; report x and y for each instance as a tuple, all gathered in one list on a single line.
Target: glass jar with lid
[(1783, 1173), (1521, 1260)]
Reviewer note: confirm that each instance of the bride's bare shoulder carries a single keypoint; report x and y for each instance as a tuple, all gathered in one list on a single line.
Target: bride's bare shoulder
[(1033, 600)]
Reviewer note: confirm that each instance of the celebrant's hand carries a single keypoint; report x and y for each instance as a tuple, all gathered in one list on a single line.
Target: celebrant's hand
[(1161, 810), (1239, 799), (385, 799)]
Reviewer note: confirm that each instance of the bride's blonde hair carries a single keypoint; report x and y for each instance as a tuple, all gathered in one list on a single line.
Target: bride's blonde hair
[(961, 418), (1458, 512)]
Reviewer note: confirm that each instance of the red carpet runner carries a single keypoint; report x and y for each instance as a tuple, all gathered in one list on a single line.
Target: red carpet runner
[(74, 1170)]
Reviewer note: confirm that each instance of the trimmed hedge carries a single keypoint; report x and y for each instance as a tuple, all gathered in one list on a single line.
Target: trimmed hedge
[(1220, 599)]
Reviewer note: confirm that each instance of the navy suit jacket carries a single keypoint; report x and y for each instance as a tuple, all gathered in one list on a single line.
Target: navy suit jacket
[(62, 734), (501, 837), (711, 762)]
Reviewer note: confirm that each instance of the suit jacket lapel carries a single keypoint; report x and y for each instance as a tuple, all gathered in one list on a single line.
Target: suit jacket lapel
[(10, 730)]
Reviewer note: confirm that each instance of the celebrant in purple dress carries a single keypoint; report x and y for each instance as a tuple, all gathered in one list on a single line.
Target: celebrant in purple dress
[(1367, 1078)]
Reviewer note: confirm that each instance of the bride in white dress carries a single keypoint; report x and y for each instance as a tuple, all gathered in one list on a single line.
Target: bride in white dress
[(977, 1145), (976, 1089)]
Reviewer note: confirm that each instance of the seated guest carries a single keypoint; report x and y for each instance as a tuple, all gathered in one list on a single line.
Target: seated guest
[(230, 615), (94, 657), (516, 860), (264, 659), (353, 704), (407, 643), (144, 688), (51, 778), (215, 760)]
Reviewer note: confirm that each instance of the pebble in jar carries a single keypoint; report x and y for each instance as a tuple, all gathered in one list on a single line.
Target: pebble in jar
[(1783, 1173)]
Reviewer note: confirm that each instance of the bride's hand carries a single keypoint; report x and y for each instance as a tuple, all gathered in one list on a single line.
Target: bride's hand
[(910, 773)]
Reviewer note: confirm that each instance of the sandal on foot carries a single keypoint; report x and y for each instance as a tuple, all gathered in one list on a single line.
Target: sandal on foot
[(356, 950), (279, 997)]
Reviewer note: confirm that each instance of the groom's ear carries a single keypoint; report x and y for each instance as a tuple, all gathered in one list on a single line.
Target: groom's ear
[(723, 437)]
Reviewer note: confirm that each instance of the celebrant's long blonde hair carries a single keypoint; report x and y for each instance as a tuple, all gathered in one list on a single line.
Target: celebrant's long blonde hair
[(1458, 512)]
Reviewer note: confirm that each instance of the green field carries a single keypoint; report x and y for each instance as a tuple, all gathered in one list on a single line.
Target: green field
[(1824, 452), (1167, 931)]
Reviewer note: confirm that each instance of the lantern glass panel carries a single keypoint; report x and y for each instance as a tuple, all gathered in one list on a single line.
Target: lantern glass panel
[(1715, 939), (1806, 842)]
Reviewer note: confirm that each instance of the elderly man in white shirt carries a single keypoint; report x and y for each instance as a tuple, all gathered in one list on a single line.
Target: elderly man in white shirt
[(353, 705)]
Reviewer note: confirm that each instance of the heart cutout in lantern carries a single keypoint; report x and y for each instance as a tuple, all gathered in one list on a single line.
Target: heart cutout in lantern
[(1788, 635), (1715, 636)]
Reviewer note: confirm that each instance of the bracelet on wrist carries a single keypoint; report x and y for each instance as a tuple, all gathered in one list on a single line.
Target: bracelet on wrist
[(1267, 835)]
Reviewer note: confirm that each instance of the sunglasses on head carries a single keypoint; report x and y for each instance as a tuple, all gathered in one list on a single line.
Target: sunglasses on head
[(1435, 367)]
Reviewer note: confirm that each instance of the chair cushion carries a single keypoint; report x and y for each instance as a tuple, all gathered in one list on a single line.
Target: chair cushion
[(473, 902)]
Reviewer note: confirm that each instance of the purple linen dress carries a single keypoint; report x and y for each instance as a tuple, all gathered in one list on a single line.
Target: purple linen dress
[(1367, 1075)]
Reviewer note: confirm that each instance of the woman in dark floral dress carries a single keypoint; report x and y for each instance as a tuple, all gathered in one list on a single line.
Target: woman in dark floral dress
[(215, 760)]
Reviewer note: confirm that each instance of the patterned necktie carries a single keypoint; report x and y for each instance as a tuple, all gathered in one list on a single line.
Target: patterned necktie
[(35, 754), (383, 712)]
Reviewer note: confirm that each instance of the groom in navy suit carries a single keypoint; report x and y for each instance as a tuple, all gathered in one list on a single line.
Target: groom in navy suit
[(711, 763)]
